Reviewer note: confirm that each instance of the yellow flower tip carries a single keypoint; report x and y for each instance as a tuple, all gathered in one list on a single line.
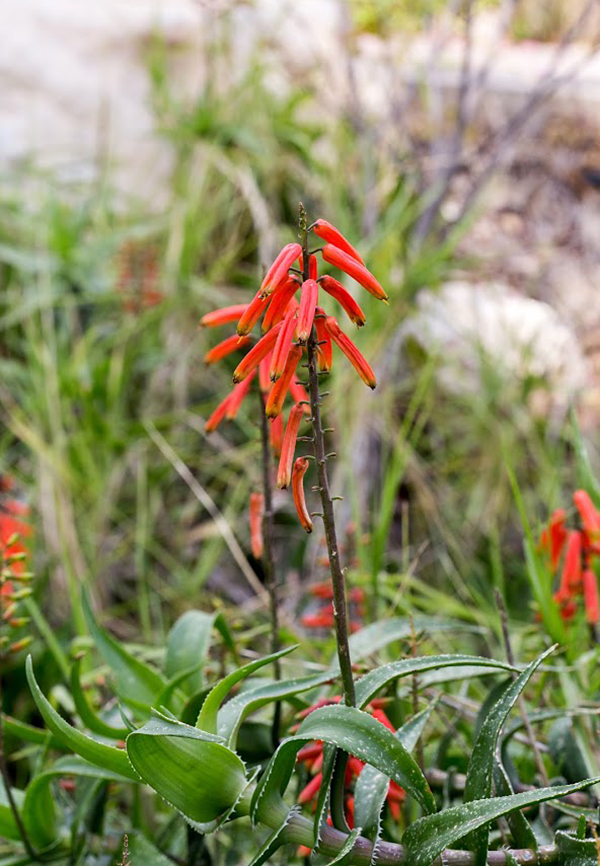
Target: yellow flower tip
[(385, 301)]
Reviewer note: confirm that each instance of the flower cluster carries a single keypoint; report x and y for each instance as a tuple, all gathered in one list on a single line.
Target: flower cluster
[(13, 576), (288, 323), (581, 549), (311, 756)]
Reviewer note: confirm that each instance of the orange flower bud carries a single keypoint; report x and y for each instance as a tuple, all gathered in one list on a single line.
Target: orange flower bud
[(257, 504), (590, 517), (252, 314), (306, 313), (276, 434), (334, 288), (339, 259), (279, 269), (223, 316), (280, 388), (329, 233), (226, 347), (256, 354), (288, 447), (590, 596), (324, 345), (283, 346), (237, 395), (351, 352), (298, 473), (279, 304)]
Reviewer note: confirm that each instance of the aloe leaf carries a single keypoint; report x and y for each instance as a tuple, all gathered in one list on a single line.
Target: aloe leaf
[(478, 784), (136, 683), (357, 733), (330, 756), (207, 718), (372, 785), (189, 642), (28, 733), (273, 842), (523, 835), (345, 855), (89, 718), (142, 851), (576, 852), (8, 826), (38, 810), (371, 683), (234, 712), (96, 753), (191, 769), (427, 837)]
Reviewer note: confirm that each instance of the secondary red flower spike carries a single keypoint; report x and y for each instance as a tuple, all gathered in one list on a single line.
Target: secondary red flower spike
[(334, 288), (306, 313), (223, 316), (329, 233), (354, 269), (257, 504), (351, 352), (298, 473), (278, 272), (288, 448)]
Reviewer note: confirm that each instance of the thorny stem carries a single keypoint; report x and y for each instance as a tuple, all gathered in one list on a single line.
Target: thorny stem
[(510, 657), (340, 610), (268, 559)]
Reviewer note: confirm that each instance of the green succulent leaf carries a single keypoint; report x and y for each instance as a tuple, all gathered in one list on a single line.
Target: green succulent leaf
[(478, 784), (371, 683), (345, 855), (207, 719), (357, 733), (89, 718), (189, 642), (429, 836), (191, 769), (142, 851), (276, 840), (330, 756), (523, 835), (100, 754), (137, 684), (8, 826), (576, 852)]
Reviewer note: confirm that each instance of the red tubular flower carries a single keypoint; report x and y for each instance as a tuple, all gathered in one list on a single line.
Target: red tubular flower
[(322, 590), (236, 397), (299, 395), (257, 505), (339, 259), (329, 233), (218, 415), (276, 435), (279, 304), (257, 353), (225, 348), (298, 473), (558, 535), (280, 388), (263, 374), (283, 346), (312, 266), (590, 596), (334, 288), (252, 314), (284, 473), (351, 352), (317, 620), (590, 517), (307, 793), (223, 316), (279, 269), (571, 574), (324, 345), (306, 313)]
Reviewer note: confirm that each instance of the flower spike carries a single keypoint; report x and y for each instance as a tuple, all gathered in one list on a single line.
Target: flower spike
[(225, 348), (298, 473), (257, 353), (281, 386), (354, 269), (306, 313), (284, 473), (283, 345), (257, 505), (351, 352), (223, 316), (334, 288), (329, 233), (277, 273)]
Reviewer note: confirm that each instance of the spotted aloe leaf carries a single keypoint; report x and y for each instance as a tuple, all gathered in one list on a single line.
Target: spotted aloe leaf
[(478, 785), (191, 769), (576, 852), (427, 837), (357, 733)]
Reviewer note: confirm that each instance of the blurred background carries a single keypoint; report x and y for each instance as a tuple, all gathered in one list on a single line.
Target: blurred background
[(152, 158)]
